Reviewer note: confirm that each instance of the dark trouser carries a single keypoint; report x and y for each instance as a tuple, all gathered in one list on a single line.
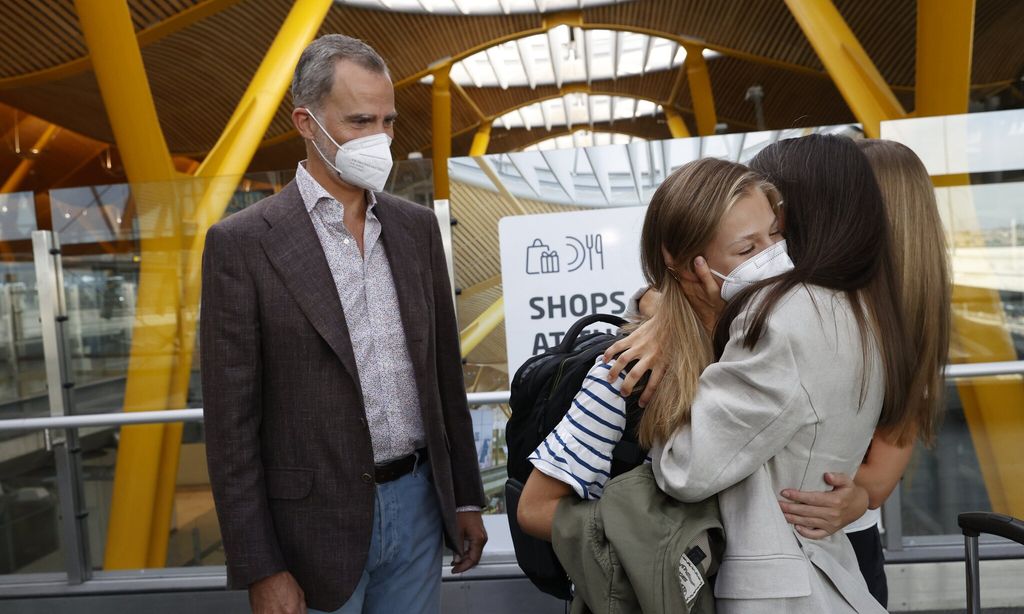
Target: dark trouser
[(868, 546)]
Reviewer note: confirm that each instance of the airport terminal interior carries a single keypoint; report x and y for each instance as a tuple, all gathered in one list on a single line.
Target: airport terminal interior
[(132, 126)]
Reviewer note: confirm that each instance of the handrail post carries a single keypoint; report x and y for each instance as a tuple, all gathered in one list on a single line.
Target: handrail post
[(53, 316)]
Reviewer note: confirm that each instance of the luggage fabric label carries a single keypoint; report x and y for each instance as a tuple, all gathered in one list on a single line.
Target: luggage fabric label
[(690, 580)]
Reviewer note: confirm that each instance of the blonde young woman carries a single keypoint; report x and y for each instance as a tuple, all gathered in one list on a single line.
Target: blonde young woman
[(921, 271), (711, 208)]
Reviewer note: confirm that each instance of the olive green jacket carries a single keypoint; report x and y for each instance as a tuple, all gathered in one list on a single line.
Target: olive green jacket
[(633, 550)]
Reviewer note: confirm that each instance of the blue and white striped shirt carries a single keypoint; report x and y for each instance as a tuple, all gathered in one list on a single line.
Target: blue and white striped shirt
[(579, 450)]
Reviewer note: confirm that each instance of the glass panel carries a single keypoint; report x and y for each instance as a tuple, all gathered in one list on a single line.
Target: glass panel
[(976, 464), (22, 373), (947, 479), (29, 532), (974, 143)]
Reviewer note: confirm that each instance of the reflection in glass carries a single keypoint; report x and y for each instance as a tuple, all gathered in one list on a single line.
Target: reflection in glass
[(29, 533), (17, 216)]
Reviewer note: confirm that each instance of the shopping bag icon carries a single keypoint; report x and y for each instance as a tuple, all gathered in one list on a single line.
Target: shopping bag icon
[(541, 259)]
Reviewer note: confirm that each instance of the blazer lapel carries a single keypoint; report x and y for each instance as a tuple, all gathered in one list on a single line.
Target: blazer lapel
[(294, 250), (401, 247)]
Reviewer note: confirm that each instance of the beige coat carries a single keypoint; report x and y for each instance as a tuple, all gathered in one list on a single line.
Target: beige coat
[(798, 405)]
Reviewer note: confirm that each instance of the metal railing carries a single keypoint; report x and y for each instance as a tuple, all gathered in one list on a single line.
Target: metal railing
[(981, 369)]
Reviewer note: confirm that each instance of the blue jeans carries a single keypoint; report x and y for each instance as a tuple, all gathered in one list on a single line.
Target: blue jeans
[(403, 569)]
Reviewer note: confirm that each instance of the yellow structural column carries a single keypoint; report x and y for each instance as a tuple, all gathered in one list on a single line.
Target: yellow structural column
[(441, 131), (21, 171), (478, 330), (117, 63), (945, 45), (217, 179), (852, 71), (676, 125), (481, 139), (700, 91)]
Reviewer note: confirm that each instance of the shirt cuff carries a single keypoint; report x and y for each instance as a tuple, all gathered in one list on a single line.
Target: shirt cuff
[(633, 305), (468, 508)]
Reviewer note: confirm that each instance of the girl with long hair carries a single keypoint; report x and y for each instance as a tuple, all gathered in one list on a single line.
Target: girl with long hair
[(712, 208)]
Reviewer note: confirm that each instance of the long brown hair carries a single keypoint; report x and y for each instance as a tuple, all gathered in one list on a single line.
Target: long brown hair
[(682, 219), (922, 273), (838, 238)]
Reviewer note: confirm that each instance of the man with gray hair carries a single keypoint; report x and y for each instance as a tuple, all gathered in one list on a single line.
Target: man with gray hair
[(339, 442)]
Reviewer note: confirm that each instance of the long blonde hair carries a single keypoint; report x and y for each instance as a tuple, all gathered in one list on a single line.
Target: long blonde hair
[(682, 219), (922, 274)]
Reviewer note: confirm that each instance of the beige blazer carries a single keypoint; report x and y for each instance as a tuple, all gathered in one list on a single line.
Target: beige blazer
[(800, 404)]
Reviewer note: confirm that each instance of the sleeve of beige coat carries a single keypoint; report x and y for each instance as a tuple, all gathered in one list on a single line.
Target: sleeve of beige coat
[(748, 406)]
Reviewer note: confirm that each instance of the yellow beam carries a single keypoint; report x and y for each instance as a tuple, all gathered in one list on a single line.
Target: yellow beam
[(700, 91), (441, 132), (21, 171), (220, 173), (117, 61), (945, 42), (150, 35), (482, 326), (469, 100), (482, 286), (481, 139), (676, 125), (852, 71)]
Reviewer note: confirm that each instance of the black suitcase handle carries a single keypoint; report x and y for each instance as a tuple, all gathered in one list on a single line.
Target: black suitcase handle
[(577, 328), (976, 523)]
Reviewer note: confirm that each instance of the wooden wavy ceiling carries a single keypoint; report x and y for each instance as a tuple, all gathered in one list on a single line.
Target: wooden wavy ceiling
[(197, 72)]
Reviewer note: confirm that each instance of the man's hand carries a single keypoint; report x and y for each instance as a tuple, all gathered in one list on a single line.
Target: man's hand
[(820, 514), (471, 537), (643, 346), (704, 294), (277, 594)]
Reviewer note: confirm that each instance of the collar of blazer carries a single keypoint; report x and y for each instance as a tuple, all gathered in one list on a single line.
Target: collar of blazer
[(293, 248)]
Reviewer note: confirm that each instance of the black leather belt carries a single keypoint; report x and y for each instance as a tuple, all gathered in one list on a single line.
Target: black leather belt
[(389, 472)]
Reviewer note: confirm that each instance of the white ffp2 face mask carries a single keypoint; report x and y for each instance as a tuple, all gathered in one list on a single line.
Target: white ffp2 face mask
[(771, 262), (364, 162)]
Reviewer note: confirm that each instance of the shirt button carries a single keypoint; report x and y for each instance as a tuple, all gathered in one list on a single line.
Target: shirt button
[(346, 241), (367, 478)]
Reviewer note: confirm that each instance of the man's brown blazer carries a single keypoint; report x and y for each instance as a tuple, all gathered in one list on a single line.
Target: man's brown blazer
[(288, 447)]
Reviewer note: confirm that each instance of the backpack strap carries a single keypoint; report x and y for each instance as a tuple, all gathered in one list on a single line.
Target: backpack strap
[(570, 336), (629, 452)]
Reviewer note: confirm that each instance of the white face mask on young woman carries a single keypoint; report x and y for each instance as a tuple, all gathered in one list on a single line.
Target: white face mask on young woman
[(364, 162), (772, 262)]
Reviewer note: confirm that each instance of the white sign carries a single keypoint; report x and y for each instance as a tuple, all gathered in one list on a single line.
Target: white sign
[(557, 268)]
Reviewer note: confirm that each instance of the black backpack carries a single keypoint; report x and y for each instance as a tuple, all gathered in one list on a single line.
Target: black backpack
[(541, 394)]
